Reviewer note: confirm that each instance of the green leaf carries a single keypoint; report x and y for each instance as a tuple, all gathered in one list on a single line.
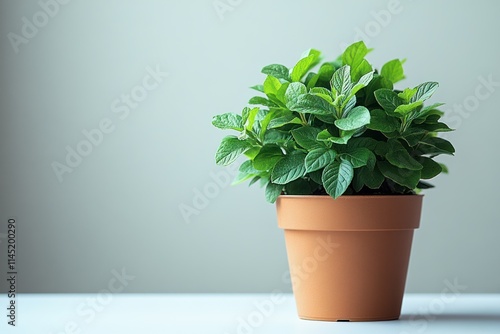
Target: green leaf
[(244, 115), (373, 179), (267, 158), (436, 127), (259, 88), (254, 179), (336, 177), (354, 57), (429, 110), (387, 99), (274, 136), (252, 113), (404, 109), (230, 149), (278, 71), (341, 80), (407, 94), (436, 145), (304, 65), (424, 185), (326, 136), (326, 71), (366, 142), (380, 121), (359, 157), (324, 74), (252, 152), (357, 184), (348, 104), (414, 135), (382, 148), (357, 118), (354, 53), (290, 168), (425, 91), (265, 122), (293, 92), (363, 82), (283, 120), (444, 168), (262, 101), (312, 104), (320, 91), (273, 191), (328, 119), (271, 85), (360, 70), (280, 95), (376, 83), (402, 159), (319, 158), (246, 171), (393, 70), (311, 79), (316, 177), (344, 137), (431, 168), (433, 117), (405, 177), (365, 79), (306, 137), (228, 121), (313, 52), (298, 187)]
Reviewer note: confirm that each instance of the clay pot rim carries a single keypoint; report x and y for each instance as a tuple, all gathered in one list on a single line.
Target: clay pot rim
[(351, 196), (349, 213)]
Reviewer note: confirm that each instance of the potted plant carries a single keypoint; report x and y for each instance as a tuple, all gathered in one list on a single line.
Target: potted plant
[(344, 154)]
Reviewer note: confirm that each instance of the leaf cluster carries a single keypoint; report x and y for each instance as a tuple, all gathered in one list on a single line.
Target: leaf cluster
[(340, 129)]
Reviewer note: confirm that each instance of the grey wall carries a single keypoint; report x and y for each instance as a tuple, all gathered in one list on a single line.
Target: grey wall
[(120, 207)]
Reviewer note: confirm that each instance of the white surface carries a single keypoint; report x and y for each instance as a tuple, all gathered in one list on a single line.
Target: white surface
[(121, 206), (225, 314)]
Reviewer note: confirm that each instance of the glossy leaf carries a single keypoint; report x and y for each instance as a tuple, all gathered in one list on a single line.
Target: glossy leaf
[(267, 158), (393, 70), (230, 149), (357, 118), (319, 158), (278, 71), (405, 177), (336, 177), (425, 91), (388, 99), (273, 191), (306, 137), (228, 121), (290, 168)]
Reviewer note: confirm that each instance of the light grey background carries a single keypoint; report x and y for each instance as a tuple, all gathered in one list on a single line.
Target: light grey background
[(120, 208)]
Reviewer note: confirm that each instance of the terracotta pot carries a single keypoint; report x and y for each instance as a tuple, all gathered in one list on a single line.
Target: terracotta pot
[(349, 257)]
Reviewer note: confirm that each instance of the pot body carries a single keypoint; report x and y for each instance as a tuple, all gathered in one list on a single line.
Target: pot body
[(348, 257)]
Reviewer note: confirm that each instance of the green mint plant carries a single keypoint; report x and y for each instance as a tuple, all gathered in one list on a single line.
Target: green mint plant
[(343, 129)]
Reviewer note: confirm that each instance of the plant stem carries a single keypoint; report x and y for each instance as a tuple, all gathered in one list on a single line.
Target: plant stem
[(303, 119)]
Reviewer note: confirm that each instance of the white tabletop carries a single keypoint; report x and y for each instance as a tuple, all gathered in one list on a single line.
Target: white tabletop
[(237, 314)]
